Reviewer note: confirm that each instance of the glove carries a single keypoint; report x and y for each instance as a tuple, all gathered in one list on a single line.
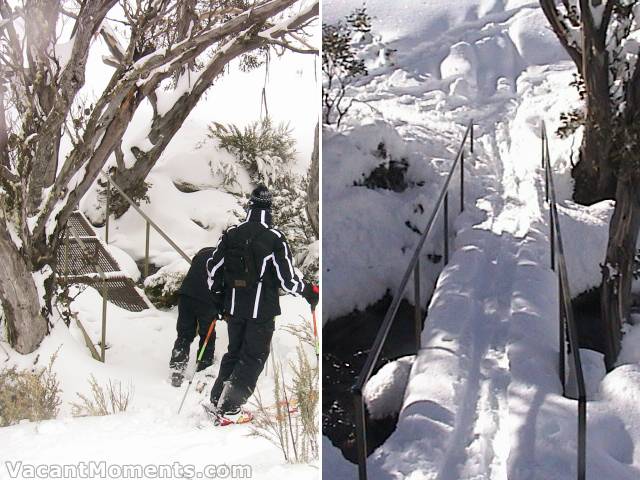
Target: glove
[(311, 294)]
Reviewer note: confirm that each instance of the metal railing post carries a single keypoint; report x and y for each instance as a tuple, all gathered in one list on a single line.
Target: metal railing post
[(103, 341), (383, 332), (161, 232), (542, 143), (462, 183), (582, 438), (568, 333), (553, 241), (418, 305), (547, 165), (361, 433), (562, 341), (106, 223), (146, 250), (66, 255), (446, 229)]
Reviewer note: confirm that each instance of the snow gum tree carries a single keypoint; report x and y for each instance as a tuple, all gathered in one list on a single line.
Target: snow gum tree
[(341, 65), (54, 142), (602, 39)]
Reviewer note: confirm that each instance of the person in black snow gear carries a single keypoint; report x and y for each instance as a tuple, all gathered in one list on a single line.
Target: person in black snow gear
[(197, 308), (252, 260)]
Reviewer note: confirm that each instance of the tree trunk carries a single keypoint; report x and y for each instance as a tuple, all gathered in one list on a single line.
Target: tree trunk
[(593, 175), (313, 194), (617, 272), (26, 325)]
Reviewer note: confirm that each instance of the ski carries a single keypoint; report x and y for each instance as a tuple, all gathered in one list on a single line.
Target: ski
[(247, 416)]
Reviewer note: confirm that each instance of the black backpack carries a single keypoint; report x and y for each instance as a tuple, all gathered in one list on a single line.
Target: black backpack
[(240, 266)]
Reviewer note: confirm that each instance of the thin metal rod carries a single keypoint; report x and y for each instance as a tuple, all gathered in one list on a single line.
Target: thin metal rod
[(553, 241), (446, 229), (146, 217), (146, 250), (103, 277), (582, 439), (108, 214), (545, 164), (212, 329), (562, 341), (383, 332), (542, 143), (103, 341), (88, 341), (418, 305), (568, 327), (66, 256), (462, 181), (361, 435)]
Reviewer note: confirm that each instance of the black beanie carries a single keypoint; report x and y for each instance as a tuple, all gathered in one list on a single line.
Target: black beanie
[(260, 197)]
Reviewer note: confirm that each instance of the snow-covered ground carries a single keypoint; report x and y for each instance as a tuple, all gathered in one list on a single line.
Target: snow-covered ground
[(150, 432), (483, 399)]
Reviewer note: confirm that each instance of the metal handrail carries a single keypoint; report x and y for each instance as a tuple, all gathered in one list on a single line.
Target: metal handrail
[(100, 271), (568, 330), (149, 223), (412, 269)]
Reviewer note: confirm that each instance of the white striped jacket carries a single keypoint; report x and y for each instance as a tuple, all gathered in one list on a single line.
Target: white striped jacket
[(275, 266)]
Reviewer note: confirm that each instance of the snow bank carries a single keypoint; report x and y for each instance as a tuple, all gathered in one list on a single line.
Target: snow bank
[(534, 39), (127, 265), (334, 463), (368, 218), (630, 352), (585, 232)]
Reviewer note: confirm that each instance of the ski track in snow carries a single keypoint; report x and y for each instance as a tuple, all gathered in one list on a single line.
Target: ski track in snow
[(479, 446)]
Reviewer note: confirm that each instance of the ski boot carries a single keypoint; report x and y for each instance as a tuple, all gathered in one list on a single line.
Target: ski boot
[(177, 377), (223, 419)]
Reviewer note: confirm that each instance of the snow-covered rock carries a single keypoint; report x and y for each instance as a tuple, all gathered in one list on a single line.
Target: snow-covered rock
[(384, 392)]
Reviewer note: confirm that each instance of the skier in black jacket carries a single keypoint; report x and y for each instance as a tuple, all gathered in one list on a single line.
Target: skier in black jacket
[(197, 307), (252, 261)]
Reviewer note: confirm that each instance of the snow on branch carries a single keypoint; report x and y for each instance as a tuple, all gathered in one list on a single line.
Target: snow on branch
[(190, 48), (118, 52), (566, 26), (8, 175), (278, 34)]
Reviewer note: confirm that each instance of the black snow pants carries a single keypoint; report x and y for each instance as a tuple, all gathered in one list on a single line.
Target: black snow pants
[(249, 345), (193, 316)]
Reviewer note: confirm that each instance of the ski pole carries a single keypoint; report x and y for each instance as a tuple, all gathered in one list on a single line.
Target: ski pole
[(206, 340), (212, 327), (315, 332)]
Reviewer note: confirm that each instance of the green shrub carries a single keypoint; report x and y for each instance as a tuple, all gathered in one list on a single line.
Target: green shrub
[(262, 148)]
